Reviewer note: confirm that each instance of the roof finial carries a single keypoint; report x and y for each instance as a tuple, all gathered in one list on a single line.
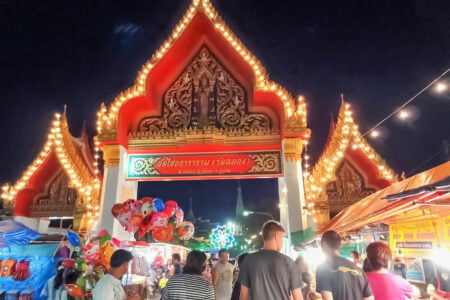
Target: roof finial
[(342, 98), (65, 110)]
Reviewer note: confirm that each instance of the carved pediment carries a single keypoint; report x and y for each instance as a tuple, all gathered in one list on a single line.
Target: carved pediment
[(59, 199), (205, 95), (349, 187)]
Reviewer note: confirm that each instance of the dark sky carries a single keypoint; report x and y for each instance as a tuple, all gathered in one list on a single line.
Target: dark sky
[(82, 53)]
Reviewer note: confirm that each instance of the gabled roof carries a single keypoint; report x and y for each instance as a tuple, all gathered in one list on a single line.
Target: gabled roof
[(345, 140), (107, 117), (74, 157)]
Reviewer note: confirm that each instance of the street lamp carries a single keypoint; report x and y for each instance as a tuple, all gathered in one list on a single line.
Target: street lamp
[(248, 212)]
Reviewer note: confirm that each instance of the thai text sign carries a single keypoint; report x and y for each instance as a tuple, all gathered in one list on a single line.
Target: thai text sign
[(415, 239), (159, 166)]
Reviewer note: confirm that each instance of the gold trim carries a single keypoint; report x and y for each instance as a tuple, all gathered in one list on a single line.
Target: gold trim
[(107, 124)]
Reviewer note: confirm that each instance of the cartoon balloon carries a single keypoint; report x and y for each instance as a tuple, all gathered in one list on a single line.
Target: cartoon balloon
[(91, 252), (180, 216), (158, 205), (186, 230), (147, 207), (171, 207), (115, 210), (163, 234), (159, 219)]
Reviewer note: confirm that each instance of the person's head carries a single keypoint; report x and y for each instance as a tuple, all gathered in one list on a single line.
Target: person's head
[(176, 258), (330, 242), (366, 266), (273, 234), (120, 261), (302, 264), (241, 257), (195, 263), (354, 255), (71, 278), (379, 255), (224, 255)]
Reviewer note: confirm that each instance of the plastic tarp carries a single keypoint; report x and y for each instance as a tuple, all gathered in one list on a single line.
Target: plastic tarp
[(15, 233), (301, 236), (42, 266), (375, 208)]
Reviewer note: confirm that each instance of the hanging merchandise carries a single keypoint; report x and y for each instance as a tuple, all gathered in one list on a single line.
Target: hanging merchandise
[(8, 267), (22, 271)]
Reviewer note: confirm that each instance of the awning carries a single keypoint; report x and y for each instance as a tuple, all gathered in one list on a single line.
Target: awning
[(442, 185), (375, 208)]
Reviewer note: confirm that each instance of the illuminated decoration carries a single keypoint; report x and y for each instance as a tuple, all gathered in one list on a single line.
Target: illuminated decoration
[(222, 236), (441, 87), (348, 170), (74, 189), (294, 112)]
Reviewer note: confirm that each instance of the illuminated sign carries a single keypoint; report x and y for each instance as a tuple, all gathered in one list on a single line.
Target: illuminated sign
[(160, 166)]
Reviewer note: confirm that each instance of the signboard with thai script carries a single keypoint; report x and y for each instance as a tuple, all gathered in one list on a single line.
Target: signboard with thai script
[(415, 239), (193, 166)]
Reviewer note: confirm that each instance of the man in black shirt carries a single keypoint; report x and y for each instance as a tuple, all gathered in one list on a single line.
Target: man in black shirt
[(338, 278)]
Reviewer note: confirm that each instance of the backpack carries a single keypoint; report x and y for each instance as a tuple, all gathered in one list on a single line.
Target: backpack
[(7, 267)]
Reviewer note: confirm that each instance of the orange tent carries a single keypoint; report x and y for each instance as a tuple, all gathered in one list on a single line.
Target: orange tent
[(376, 209)]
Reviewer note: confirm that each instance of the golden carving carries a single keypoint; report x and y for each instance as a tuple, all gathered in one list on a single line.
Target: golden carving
[(143, 166), (59, 199), (205, 95), (293, 148), (348, 188), (111, 155), (265, 163)]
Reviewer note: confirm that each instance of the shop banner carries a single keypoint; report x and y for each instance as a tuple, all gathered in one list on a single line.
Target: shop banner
[(414, 239), (220, 165)]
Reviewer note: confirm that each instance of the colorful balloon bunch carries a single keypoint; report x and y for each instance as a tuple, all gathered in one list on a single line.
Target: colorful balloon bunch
[(164, 220)]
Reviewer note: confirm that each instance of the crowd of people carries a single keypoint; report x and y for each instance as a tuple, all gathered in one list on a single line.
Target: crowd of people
[(269, 274)]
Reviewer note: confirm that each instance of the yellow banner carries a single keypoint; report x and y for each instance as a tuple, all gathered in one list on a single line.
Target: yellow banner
[(415, 239)]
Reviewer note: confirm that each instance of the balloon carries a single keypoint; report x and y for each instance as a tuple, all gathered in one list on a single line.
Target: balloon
[(106, 251), (180, 216), (115, 210), (129, 220), (74, 290), (163, 234), (159, 219), (186, 230), (73, 238), (171, 207), (158, 205), (90, 252), (133, 205), (147, 207)]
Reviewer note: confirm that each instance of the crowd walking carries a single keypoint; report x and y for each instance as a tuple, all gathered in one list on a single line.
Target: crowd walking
[(268, 274)]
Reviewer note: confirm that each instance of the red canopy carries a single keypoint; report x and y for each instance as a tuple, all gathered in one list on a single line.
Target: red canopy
[(376, 209)]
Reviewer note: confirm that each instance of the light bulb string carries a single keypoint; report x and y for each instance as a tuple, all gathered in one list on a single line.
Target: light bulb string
[(407, 102)]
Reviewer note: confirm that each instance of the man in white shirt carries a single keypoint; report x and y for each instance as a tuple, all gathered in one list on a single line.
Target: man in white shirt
[(222, 276), (110, 286)]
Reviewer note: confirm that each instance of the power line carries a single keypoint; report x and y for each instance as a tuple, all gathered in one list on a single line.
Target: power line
[(407, 102)]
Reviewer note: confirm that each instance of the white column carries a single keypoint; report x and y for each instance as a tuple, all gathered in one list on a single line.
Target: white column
[(295, 195), (115, 190)]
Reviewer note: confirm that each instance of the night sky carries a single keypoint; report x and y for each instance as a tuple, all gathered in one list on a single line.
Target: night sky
[(378, 53)]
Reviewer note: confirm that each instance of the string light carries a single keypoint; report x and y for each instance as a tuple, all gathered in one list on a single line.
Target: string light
[(374, 133), (403, 115), (107, 119), (440, 87), (345, 135), (60, 141)]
